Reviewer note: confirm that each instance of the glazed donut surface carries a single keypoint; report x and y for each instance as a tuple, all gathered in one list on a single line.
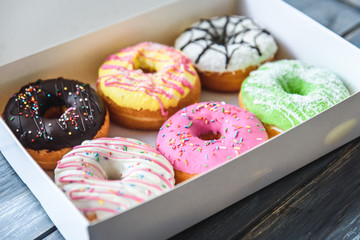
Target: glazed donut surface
[(106, 176), (204, 135), (55, 114), (228, 43), (146, 83), (287, 92)]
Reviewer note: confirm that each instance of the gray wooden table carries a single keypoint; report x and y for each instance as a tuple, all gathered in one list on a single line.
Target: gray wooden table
[(319, 201)]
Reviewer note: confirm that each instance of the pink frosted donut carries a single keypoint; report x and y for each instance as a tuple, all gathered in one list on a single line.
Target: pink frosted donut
[(204, 135)]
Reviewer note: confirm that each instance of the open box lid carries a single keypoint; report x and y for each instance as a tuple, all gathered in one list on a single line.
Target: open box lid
[(44, 24), (204, 195)]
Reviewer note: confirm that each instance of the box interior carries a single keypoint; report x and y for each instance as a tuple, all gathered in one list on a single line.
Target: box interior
[(298, 37)]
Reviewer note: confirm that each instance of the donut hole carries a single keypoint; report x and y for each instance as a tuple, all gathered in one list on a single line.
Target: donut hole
[(295, 85), (147, 69), (54, 112), (219, 39), (144, 66), (113, 174), (209, 136)]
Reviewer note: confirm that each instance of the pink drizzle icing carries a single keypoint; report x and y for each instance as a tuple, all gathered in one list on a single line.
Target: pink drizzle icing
[(82, 174), (178, 139), (172, 74)]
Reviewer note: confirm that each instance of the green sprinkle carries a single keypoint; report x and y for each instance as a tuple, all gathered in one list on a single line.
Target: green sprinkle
[(249, 130), (228, 157), (205, 165), (222, 110), (12, 118), (164, 186), (226, 129), (192, 110), (190, 124), (125, 148), (207, 143), (262, 129)]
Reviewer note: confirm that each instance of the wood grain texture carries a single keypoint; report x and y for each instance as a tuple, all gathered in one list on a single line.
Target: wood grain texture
[(353, 3), (298, 193), (56, 235), (327, 207), (19, 208), (354, 36), (333, 14)]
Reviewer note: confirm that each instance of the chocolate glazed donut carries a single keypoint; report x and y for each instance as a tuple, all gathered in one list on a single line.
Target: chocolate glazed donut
[(55, 114)]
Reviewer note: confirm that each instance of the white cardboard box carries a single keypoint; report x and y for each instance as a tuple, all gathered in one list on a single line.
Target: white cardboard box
[(298, 37)]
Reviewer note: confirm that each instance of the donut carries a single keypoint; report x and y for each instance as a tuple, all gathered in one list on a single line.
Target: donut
[(285, 93), (106, 176), (204, 135), (50, 117), (145, 84), (225, 49)]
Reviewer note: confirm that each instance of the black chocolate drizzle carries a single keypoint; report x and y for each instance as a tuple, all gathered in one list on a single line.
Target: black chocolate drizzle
[(83, 118), (218, 35)]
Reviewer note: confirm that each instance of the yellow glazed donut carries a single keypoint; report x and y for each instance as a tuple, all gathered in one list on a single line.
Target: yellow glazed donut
[(145, 84)]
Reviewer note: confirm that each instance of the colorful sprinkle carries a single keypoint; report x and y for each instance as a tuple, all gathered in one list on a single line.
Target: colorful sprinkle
[(236, 133)]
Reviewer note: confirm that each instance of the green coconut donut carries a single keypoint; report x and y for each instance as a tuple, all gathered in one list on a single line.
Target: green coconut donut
[(287, 92)]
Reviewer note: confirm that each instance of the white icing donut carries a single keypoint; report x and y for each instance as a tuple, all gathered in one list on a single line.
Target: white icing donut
[(109, 175), (228, 43)]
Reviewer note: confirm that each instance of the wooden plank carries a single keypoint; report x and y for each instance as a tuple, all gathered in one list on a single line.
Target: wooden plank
[(19, 207), (333, 14), (354, 36), (354, 3), (326, 207), (56, 235), (240, 218)]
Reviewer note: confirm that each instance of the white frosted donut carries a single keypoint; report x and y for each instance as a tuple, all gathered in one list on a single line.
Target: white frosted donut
[(109, 175), (225, 49), (226, 43)]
